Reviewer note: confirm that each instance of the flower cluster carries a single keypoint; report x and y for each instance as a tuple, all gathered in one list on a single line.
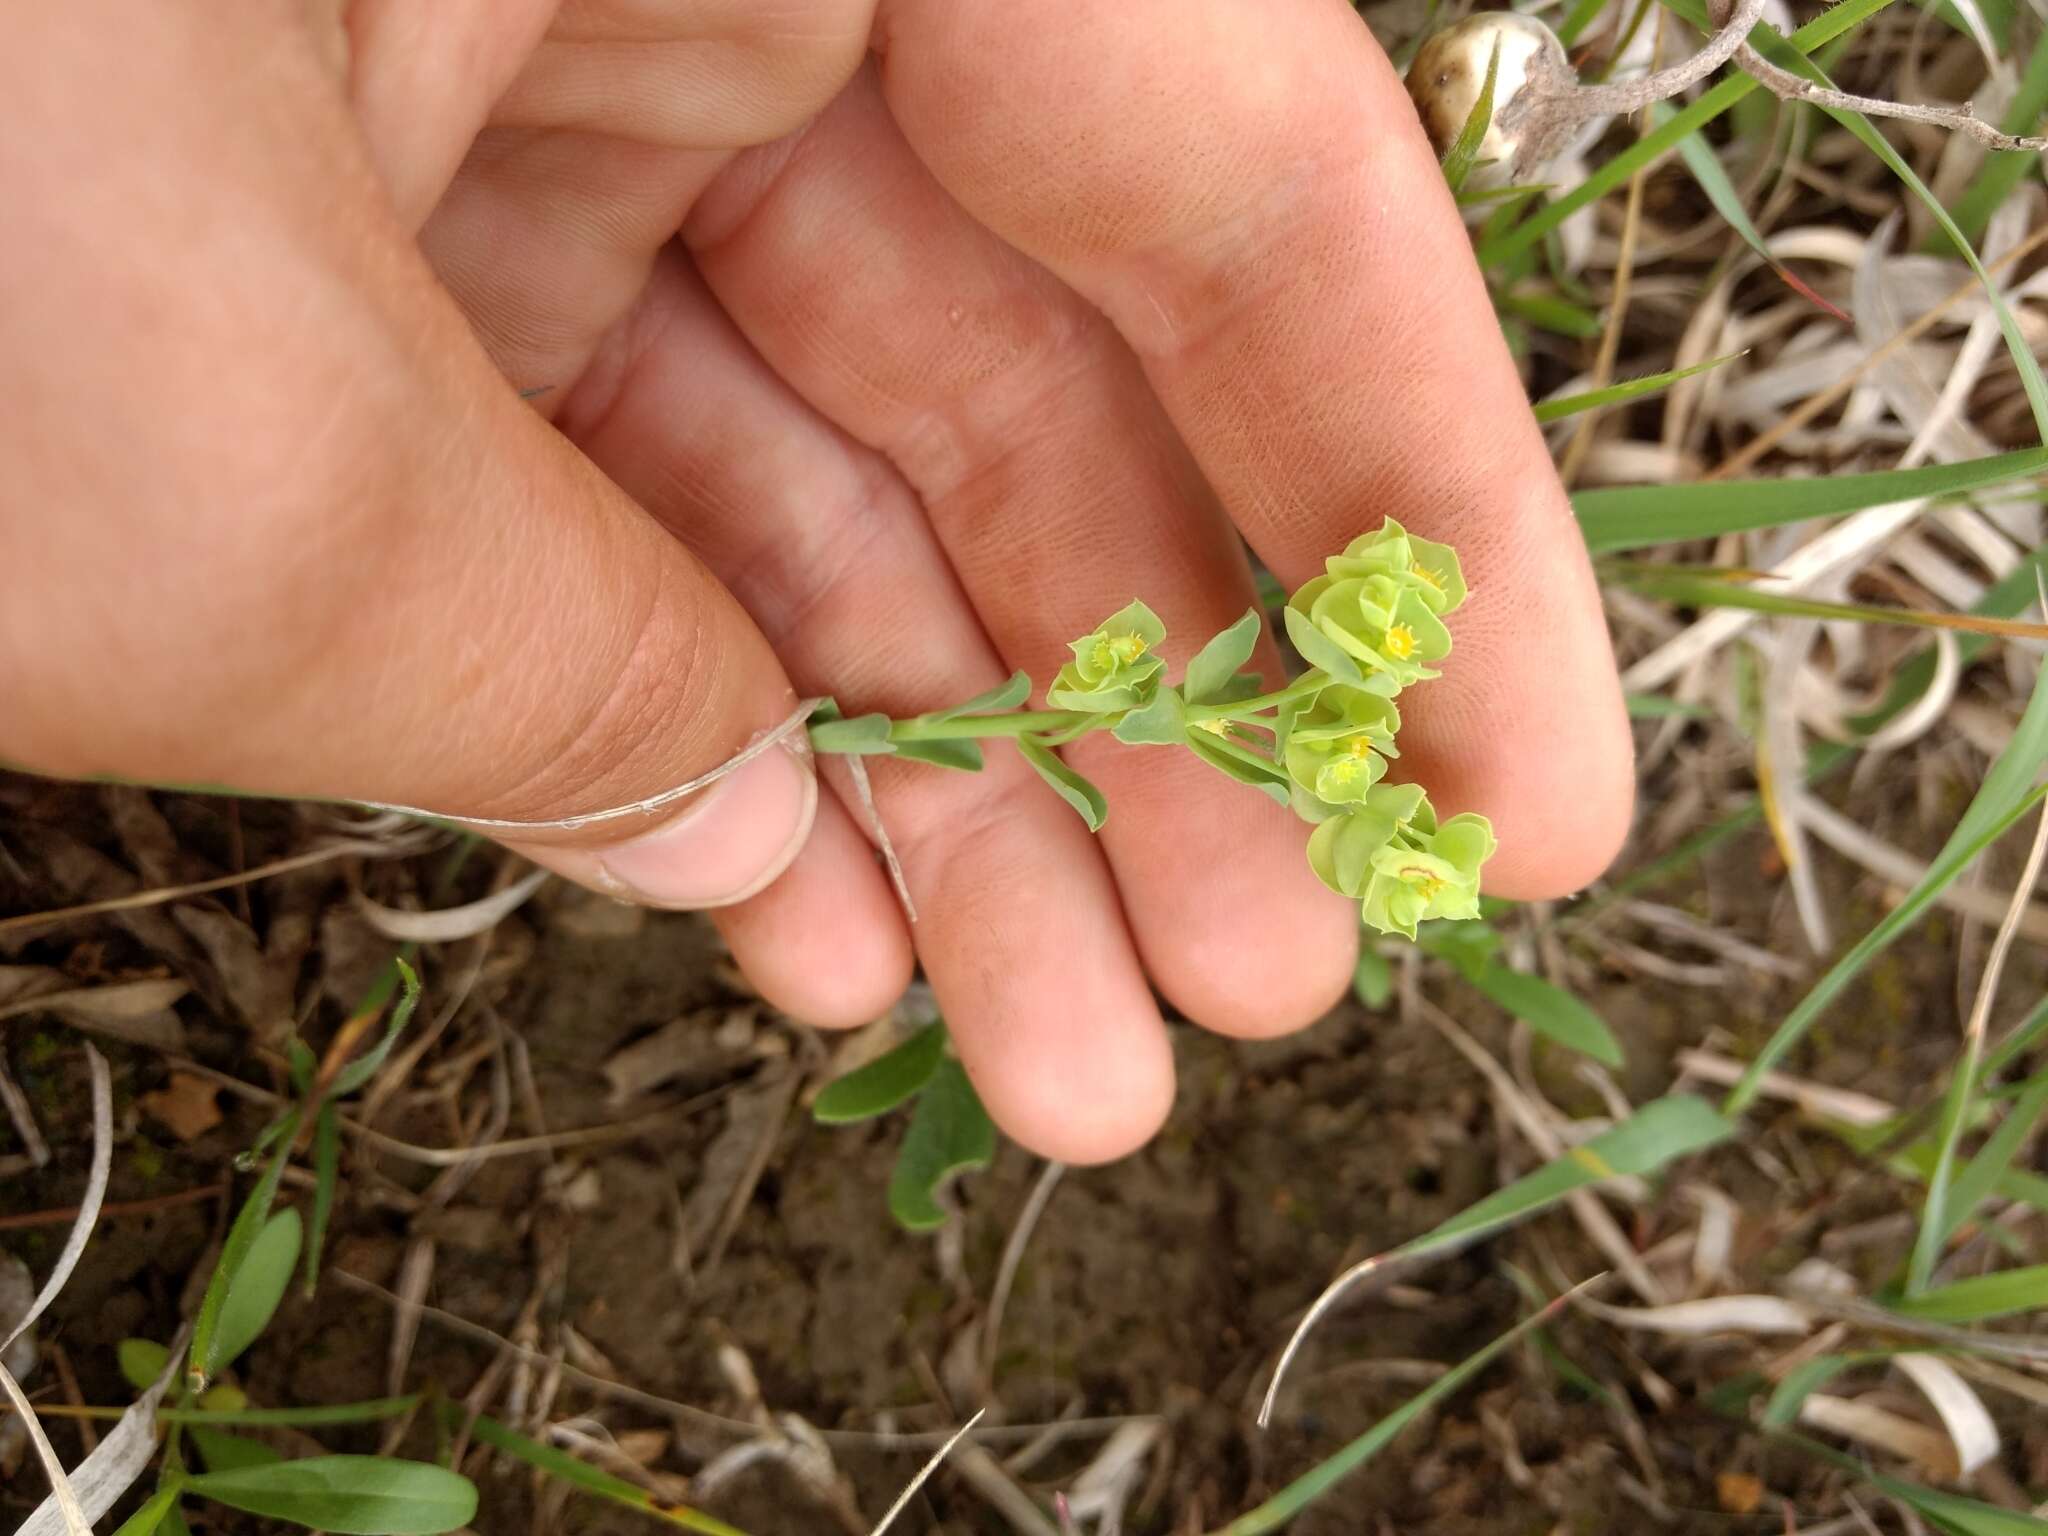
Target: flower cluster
[(1380, 607), (1369, 626)]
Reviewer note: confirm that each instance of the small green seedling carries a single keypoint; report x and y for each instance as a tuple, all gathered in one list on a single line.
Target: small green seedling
[(1368, 627), (950, 1133)]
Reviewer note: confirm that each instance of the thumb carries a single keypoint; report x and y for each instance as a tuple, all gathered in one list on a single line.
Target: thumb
[(312, 544)]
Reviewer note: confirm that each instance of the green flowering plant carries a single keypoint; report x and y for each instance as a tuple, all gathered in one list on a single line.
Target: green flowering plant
[(1371, 625)]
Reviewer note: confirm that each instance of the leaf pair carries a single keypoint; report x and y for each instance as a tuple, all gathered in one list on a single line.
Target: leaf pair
[(950, 1133)]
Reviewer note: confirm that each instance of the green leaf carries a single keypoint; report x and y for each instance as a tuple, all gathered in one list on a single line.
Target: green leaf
[(142, 1361), (326, 1174), (1551, 1011), (998, 700), (1468, 946), (1464, 150), (367, 1065), (151, 1515), (949, 1133), (1216, 663), (1246, 769), (856, 735), (204, 1360), (1800, 1383), (1162, 723), (958, 752), (223, 1452), (348, 1495), (1628, 389), (302, 1065), (258, 1286), (580, 1474), (1975, 1181), (1084, 797), (1980, 1298), (1319, 650), (1659, 1132), (1372, 983), (2004, 797), (1634, 517), (883, 1083), (1319, 1480)]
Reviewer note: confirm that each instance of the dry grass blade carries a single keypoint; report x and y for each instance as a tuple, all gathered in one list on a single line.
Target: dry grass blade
[(75, 1521), (451, 924), (326, 853), (1935, 1220), (1816, 1099), (109, 1472), (1962, 1414), (1013, 1256), (89, 1206), (924, 1474)]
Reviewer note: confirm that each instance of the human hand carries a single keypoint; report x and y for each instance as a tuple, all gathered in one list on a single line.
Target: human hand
[(962, 347)]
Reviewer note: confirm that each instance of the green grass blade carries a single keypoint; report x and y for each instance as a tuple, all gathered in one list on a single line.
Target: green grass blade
[(1658, 1133), (1801, 1382), (364, 1067), (2002, 173), (326, 1175), (1464, 150), (151, 1515), (1547, 312), (1634, 517), (258, 1286), (2005, 796), (1951, 1513), (1980, 1298), (1660, 141), (1715, 589), (1551, 1011), (1320, 1479), (1979, 1177), (579, 1474), (1773, 47), (1628, 389)]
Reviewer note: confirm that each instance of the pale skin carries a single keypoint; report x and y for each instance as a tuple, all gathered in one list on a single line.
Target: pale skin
[(886, 349)]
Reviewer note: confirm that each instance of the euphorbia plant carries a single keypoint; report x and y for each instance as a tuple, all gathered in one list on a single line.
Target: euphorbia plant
[(1370, 626)]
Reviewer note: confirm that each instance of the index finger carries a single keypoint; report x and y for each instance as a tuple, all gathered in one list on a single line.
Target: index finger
[(1243, 188)]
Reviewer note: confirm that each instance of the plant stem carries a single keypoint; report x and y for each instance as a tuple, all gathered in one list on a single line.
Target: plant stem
[(1062, 723)]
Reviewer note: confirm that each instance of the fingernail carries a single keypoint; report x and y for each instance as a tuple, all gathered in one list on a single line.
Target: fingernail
[(725, 846)]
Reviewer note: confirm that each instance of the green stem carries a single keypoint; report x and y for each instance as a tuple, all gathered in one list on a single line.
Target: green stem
[(1063, 724), (1243, 709)]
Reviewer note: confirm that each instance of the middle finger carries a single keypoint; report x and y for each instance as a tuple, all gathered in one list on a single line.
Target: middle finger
[(1059, 492)]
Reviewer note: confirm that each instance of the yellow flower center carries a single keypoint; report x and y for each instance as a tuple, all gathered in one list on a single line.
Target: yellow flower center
[(1126, 648), (1213, 727), (1400, 642), (1360, 747), (1422, 882), (1426, 576)]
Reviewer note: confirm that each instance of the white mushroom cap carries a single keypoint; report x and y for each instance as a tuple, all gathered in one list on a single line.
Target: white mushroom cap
[(1450, 70)]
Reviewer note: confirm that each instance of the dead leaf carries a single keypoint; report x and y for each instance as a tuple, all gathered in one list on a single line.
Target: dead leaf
[(257, 988), (188, 1106), (697, 1042), (1738, 1493), (136, 1011)]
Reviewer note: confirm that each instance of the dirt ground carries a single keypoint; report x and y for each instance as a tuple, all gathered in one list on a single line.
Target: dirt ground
[(714, 1216)]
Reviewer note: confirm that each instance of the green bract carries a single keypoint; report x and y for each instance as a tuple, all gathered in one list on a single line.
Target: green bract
[(1336, 749), (1114, 668), (1381, 622), (1401, 866), (1370, 625), (1429, 568)]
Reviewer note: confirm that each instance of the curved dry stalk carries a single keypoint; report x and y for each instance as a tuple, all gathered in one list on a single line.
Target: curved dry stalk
[(1787, 86), (1013, 1258), (924, 1472)]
